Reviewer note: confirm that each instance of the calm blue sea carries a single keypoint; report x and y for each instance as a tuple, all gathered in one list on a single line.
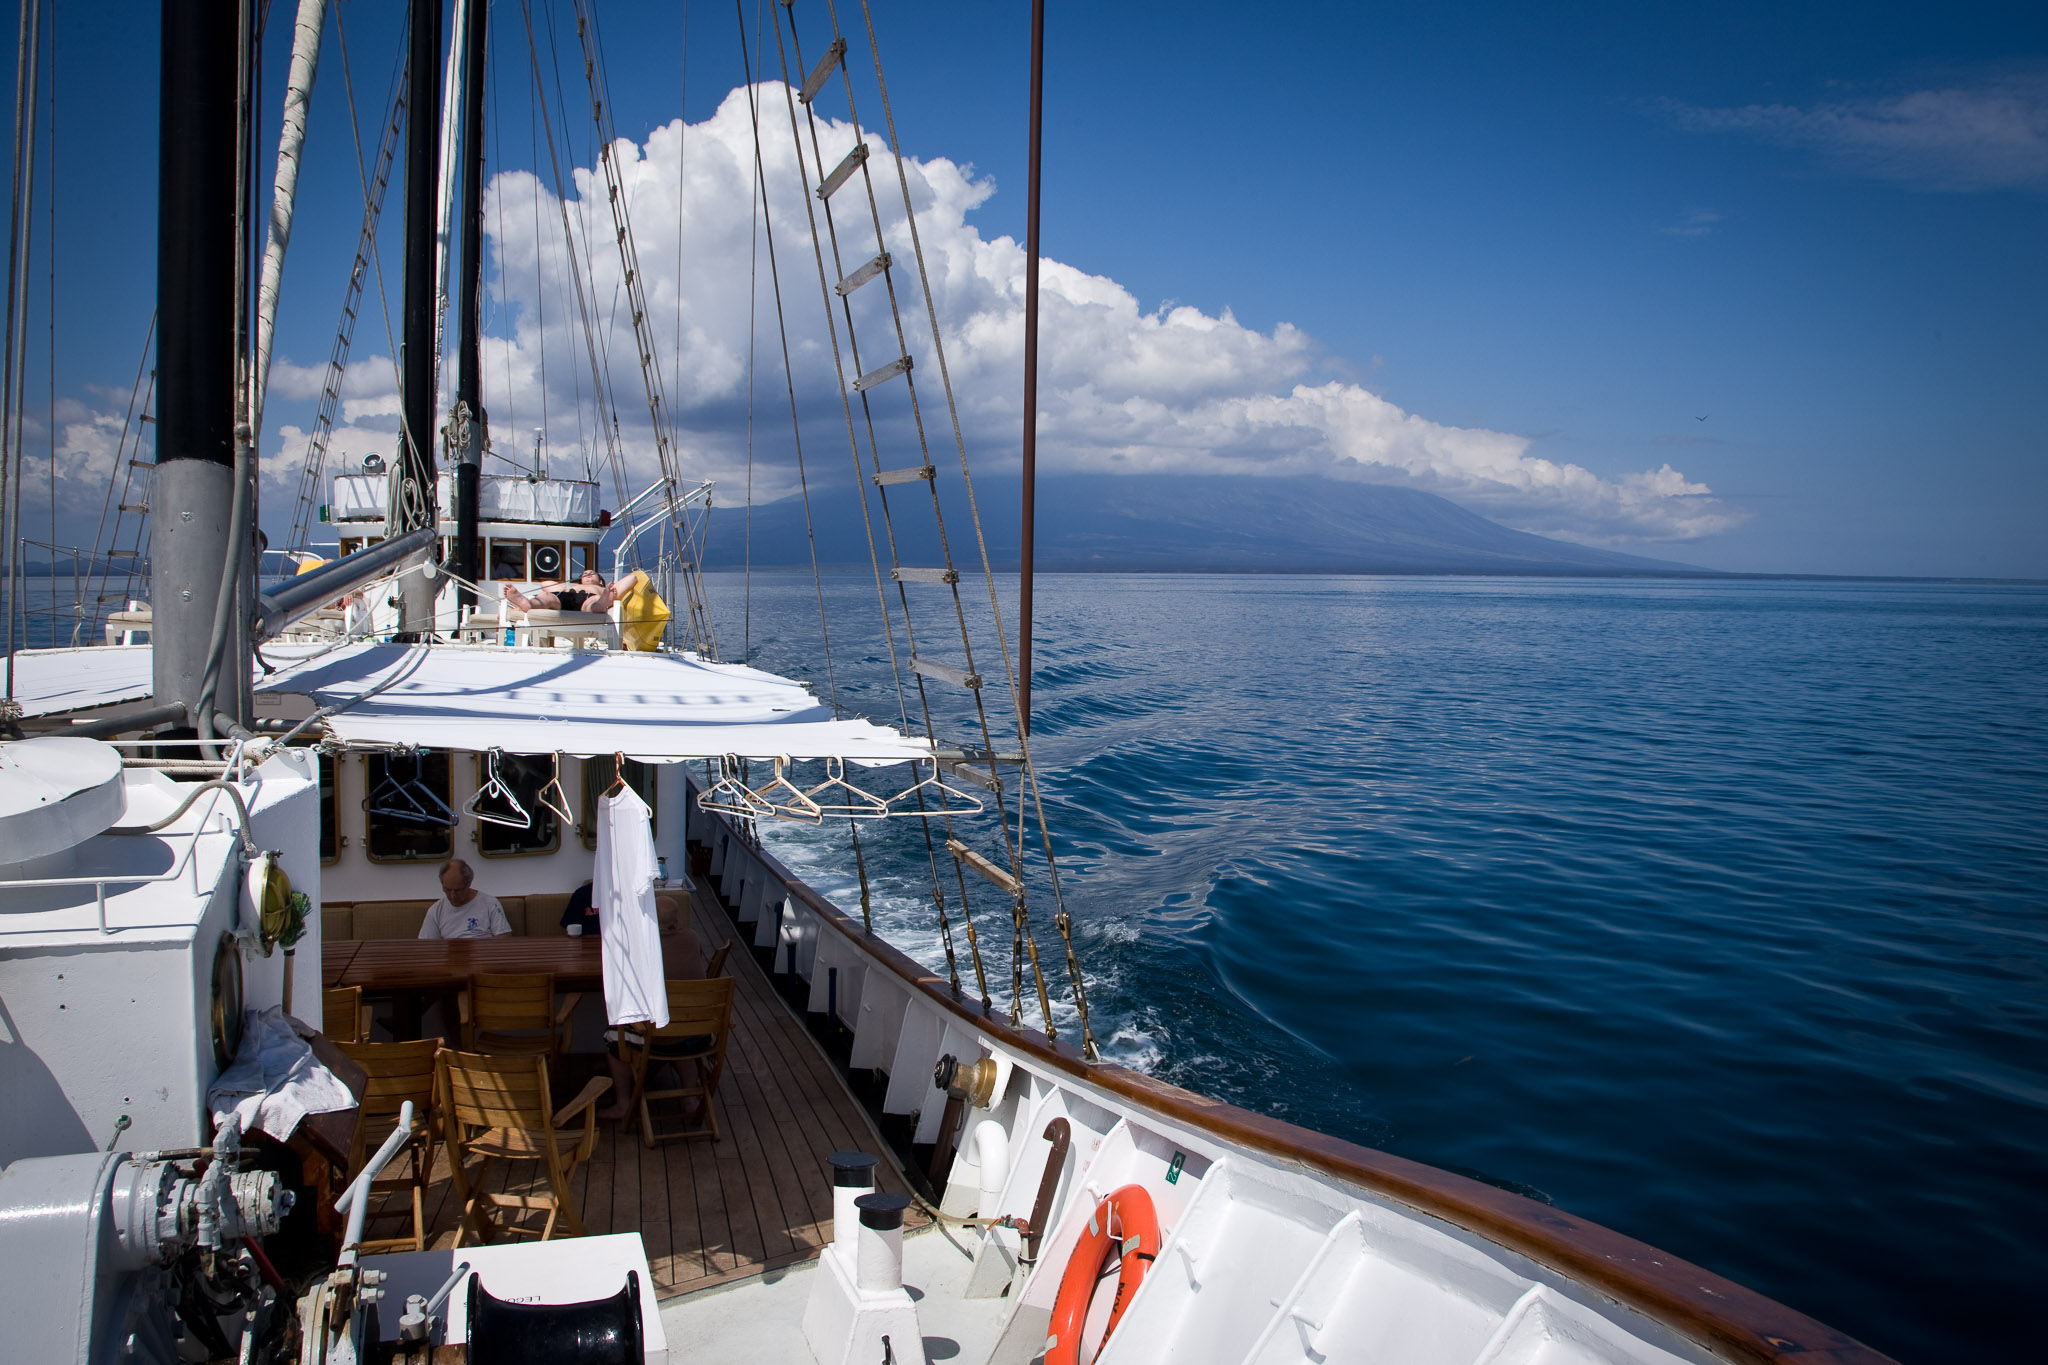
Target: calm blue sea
[(1714, 912)]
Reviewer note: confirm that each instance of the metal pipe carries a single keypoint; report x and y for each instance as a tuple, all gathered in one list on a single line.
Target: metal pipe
[(26, 64), (217, 785), (192, 490), (416, 447), (1060, 1135), (308, 592), (469, 366), (1028, 530), (355, 1200), (166, 714)]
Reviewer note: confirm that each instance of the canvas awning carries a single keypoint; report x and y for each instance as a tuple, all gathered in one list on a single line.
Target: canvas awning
[(652, 707), (48, 681)]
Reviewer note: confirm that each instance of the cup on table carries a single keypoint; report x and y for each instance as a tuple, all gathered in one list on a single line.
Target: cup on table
[(575, 931)]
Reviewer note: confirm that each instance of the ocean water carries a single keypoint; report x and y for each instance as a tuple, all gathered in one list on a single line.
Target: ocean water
[(1714, 912)]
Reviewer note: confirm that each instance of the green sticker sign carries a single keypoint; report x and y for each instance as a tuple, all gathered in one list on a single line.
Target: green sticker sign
[(1180, 1159)]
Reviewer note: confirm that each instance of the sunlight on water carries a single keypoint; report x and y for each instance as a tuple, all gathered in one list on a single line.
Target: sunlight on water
[(1712, 912)]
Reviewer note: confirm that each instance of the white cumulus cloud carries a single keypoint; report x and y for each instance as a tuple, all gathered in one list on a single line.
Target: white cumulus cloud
[(1121, 388)]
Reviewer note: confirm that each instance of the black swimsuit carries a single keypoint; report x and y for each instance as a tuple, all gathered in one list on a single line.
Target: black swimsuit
[(572, 599)]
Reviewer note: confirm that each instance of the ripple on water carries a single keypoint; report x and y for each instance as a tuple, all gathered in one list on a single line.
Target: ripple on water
[(1714, 912)]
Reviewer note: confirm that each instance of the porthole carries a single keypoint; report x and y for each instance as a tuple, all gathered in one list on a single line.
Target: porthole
[(227, 1001)]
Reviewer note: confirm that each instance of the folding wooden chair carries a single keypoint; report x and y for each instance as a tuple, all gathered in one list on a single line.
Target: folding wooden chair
[(341, 1015), (716, 966), (515, 1015), (499, 1109), (396, 1072), (693, 1042)]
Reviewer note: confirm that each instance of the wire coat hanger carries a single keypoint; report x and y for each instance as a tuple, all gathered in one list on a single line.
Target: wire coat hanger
[(410, 799), (553, 798), (494, 787), (727, 795), (861, 805), (935, 783), (785, 798)]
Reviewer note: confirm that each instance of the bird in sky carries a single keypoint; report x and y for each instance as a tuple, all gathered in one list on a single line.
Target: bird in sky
[(1699, 419)]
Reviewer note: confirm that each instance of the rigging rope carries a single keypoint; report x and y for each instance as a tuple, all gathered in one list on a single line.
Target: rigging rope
[(313, 466), (1023, 942), (1062, 920), (634, 288)]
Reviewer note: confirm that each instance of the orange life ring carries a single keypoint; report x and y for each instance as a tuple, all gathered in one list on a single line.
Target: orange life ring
[(1124, 1219)]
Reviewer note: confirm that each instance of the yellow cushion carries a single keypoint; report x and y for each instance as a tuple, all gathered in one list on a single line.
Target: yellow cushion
[(544, 913), (337, 921), (390, 919), (515, 912)]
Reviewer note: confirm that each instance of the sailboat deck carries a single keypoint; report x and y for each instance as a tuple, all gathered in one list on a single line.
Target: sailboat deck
[(756, 1199)]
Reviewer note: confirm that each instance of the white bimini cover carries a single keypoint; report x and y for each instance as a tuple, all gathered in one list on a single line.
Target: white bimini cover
[(622, 889), (47, 681), (657, 708)]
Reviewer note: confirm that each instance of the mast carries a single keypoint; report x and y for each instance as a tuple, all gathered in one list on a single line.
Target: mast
[(412, 500), (193, 489), (468, 424), (1028, 529)]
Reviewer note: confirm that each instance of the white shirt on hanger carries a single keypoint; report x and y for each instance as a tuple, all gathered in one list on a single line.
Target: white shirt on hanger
[(622, 889)]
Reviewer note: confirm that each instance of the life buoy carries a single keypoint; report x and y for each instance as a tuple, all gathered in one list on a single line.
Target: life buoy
[(1124, 1219)]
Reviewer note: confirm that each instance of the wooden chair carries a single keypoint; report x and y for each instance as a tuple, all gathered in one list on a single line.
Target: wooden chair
[(341, 1015), (716, 966), (693, 1041), (396, 1072), (510, 1015), (499, 1109)]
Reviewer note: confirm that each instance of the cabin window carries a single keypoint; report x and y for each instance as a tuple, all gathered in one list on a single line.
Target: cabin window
[(508, 560), (581, 557), (597, 779), (330, 811), (547, 559), (399, 824), (525, 774), (349, 547)]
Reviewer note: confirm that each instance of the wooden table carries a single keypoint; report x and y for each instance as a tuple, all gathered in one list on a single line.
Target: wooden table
[(443, 964), (412, 971), (334, 959)]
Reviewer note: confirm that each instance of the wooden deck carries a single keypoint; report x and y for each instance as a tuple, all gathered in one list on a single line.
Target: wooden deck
[(758, 1198)]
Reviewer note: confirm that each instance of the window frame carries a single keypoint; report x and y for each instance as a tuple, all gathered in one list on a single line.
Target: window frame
[(491, 558), (533, 806), (330, 810), (373, 771)]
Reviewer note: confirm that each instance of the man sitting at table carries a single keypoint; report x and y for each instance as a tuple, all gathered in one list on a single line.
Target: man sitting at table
[(463, 911)]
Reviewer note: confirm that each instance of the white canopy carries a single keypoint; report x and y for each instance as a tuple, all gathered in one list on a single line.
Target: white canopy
[(47, 681), (652, 707)]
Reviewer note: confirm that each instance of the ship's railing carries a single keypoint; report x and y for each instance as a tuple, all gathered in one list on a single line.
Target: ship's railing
[(99, 881), (792, 918)]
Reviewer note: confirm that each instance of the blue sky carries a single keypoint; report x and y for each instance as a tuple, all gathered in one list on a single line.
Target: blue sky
[(1510, 256)]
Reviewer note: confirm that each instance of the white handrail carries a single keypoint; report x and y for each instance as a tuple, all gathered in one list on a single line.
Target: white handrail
[(355, 1200), (100, 883)]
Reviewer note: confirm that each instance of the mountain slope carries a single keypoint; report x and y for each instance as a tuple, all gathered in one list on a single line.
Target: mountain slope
[(1178, 524)]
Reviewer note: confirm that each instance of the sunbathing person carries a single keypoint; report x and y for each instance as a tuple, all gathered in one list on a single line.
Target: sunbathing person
[(589, 593)]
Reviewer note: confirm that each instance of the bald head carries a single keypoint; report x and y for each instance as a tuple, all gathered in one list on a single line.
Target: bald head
[(456, 876)]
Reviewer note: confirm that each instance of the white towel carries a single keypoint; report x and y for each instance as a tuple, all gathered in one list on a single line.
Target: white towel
[(622, 889), (275, 1080)]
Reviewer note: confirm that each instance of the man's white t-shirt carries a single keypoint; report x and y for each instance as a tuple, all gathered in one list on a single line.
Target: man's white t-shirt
[(483, 917), (622, 889)]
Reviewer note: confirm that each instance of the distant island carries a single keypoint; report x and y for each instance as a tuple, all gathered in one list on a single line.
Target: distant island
[(1173, 523)]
